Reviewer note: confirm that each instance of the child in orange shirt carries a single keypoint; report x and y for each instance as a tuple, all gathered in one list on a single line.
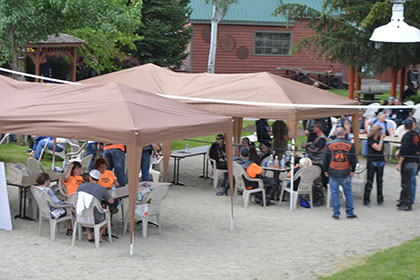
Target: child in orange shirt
[(73, 177)]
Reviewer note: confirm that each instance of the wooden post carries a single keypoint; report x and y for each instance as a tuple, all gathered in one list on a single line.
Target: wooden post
[(351, 83), (358, 80), (37, 62), (402, 82), (73, 64), (394, 82)]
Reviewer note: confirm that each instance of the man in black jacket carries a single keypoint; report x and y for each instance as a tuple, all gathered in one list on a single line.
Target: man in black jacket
[(407, 163), (339, 165)]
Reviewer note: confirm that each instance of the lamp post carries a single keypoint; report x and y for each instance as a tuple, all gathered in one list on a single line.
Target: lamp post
[(396, 31)]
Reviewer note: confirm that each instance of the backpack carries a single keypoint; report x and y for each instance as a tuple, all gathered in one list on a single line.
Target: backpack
[(15, 172)]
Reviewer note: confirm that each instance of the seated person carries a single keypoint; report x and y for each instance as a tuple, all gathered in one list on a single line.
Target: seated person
[(40, 146), (399, 115), (254, 157), (265, 151), (318, 145), (245, 142), (100, 193), (218, 152), (303, 162), (43, 180), (108, 178), (381, 121), (410, 91), (72, 177), (254, 171)]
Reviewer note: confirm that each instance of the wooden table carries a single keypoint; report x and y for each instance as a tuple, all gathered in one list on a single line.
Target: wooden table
[(368, 96)]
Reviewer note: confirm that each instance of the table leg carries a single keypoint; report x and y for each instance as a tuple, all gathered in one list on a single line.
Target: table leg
[(22, 208), (20, 204), (176, 173), (204, 168)]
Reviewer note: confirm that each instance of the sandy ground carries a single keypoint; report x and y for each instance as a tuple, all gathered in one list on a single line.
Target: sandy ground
[(196, 241)]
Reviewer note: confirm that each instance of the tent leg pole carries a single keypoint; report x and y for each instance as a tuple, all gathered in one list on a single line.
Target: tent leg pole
[(292, 166)]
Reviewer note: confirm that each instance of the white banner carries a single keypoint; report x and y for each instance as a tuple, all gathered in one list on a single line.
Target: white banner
[(5, 218)]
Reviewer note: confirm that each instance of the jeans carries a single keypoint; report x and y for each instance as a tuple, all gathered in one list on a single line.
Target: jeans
[(372, 168), (145, 165), (41, 146), (413, 185), (91, 150), (335, 183), (407, 170), (116, 161)]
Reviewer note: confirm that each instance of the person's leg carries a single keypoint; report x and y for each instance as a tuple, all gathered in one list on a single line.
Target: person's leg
[(413, 185), (379, 183), (346, 183), (369, 182), (405, 196), (57, 147), (118, 157), (108, 156), (334, 185), (91, 150), (89, 233), (101, 232), (145, 166), (39, 148)]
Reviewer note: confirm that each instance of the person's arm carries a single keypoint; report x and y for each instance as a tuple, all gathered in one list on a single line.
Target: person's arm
[(318, 146), (66, 176), (352, 160), (377, 146), (213, 151), (107, 197), (156, 148), (326, 160)]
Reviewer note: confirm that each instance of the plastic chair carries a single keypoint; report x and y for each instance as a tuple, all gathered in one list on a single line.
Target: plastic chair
[(371, 110), (87, 219), (393, 125), (157, 195), (409, 103), (239, 173), (216, 172), (358, 181), (77, 152), (43, 199), (416, 114), (85, 162), (34, 166), (307, 177), (154, 173)]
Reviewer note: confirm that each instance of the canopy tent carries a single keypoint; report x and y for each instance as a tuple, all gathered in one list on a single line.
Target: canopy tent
[(256, 95), (111, 113)]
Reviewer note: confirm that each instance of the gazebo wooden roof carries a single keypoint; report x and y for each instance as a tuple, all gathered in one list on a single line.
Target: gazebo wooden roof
[(62, 43)]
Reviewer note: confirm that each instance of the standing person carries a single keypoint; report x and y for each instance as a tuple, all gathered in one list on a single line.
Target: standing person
[(280, 137), (100, 193), (400, 114), (91, 150), (340, 163), (407, 164), (263, 132), (375, 164), (145, 160), (115, 156), (413, 177)]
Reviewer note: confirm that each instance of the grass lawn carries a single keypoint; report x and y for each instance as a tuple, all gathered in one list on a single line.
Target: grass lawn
[(401, 262), (345, 93)]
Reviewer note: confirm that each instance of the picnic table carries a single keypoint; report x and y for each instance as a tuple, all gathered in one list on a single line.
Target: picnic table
[(393, 139), (368, 96)]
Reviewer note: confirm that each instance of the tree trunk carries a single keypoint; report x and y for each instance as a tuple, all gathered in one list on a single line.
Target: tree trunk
[(402, 82), (14, 63), (213, 41), (351, 83), (394, 82)]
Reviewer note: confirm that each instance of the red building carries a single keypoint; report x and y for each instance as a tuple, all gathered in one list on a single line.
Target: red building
[(251, 39)]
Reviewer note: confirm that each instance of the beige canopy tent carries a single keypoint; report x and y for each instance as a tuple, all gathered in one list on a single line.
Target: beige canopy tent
[(112, 113)]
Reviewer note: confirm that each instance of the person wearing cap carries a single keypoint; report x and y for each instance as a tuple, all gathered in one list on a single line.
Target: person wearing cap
[(407, 164), (390, 102), (400, 114), (100, 193), (254, 171)]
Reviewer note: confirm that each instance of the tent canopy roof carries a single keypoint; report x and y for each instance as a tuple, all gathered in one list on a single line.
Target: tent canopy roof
[(112, 113), (250, 93)]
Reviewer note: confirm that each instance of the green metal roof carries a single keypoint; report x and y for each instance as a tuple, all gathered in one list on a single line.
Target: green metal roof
[(248, 11)]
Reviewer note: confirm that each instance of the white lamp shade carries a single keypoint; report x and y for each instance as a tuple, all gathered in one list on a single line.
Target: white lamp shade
[(396, 32)]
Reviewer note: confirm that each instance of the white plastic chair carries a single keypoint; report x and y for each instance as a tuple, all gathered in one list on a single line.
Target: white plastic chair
[(393, 125), (43, 199), (157, 195), (85, 162), (307, 177), (153, 172), (416, 113), (34, 166), (409, 103), (371, 110), (239, 173), (216, 172), (358, 181), (87, 219), (77, 152), (340, 190)]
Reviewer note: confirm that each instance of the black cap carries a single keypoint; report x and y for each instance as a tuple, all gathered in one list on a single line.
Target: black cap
[(408, 123), (244, 151)]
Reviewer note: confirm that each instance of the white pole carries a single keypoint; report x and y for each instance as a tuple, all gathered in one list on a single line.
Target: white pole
[(292, 166)]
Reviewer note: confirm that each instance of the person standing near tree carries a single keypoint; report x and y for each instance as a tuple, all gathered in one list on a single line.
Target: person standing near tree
[(263, 132), (280, 137), (407, 164), (340, 164)]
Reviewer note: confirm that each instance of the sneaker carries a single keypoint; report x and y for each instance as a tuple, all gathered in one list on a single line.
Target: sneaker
[(352, 216), (336, 217), (222, 193)]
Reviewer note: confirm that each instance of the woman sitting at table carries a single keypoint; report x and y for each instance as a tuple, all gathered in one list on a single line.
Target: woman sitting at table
[(375, 164), (43, 181), (254, 157), (245, 142), (265, 151), (108, 178), (73, 177), (303, 162)]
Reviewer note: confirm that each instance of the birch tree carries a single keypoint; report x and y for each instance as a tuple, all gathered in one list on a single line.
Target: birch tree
[(220, 8)]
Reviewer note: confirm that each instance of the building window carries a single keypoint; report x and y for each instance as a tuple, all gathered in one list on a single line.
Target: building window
[(272, 43)]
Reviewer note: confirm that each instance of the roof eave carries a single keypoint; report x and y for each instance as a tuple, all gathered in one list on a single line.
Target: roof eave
[(231, 22)]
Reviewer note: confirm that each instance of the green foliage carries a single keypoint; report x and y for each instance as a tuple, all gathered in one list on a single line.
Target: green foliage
[(400, 262), (112, 22), (221, 6), (343, 28), (165, 31)]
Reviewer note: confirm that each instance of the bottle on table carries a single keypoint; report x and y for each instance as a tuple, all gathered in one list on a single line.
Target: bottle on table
[(283, 162), (270, 161), (113, 191), (276, 162), (187, 148)]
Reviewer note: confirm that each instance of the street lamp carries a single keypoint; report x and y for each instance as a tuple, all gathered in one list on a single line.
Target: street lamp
[(397, 31)]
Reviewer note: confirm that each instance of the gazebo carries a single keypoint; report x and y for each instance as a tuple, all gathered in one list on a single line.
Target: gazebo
[(64, 43)]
